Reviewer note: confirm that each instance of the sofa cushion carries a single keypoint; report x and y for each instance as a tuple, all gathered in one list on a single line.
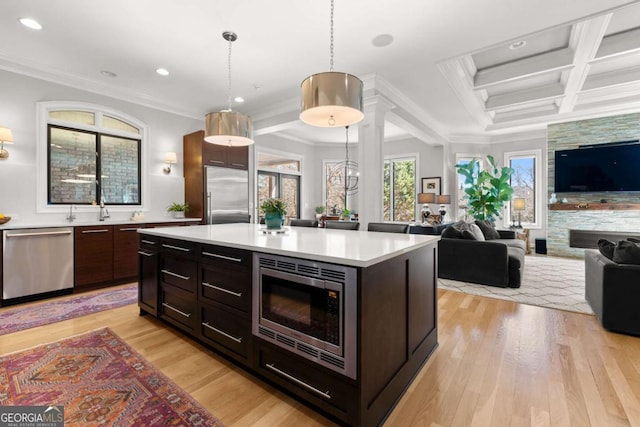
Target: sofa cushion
[(512, 243), (451, 233), (488, 229), (626, 252), (477, 233), (606, 247)]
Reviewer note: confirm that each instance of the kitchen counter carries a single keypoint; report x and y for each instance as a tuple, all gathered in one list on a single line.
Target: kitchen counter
[(13, 225), (354, 248)]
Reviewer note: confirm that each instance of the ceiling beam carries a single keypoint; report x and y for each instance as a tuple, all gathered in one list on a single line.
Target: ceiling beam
[(612, 78), (557, 60), (623, 43), (551, 91)]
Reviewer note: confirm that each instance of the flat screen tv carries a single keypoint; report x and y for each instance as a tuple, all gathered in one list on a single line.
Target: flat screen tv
[(598, 168)]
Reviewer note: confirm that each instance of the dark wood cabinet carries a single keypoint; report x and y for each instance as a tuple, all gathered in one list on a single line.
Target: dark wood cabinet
[(197, 154), (148, 262), (125, 248), (93, 255)]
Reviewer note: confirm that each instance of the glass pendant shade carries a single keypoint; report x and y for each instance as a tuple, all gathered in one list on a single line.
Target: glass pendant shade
[(228, 128), (331, 99)]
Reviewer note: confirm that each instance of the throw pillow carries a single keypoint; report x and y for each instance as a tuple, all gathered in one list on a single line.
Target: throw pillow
[(468, 235), (488, 229), (451, 233), (477, 233), (626, 253), (606, 248)]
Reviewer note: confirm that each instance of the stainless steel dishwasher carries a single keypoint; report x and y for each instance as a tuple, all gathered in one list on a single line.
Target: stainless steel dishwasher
[(36, 261)]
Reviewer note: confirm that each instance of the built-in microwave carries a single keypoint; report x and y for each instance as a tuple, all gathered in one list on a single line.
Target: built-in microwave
[(308, 308)]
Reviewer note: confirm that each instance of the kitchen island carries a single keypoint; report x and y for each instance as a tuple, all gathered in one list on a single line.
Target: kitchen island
[(340, 319)]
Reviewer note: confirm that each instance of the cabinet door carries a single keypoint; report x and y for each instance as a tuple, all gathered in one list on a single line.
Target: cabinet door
[(148, 281), (214, 154), (238, 157), (125, 250), (93, 255)]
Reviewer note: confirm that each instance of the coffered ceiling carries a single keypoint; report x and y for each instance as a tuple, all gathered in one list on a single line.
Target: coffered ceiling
[(445, 67)]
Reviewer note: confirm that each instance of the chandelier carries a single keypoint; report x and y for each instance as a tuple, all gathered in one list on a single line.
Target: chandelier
[(345, 173)]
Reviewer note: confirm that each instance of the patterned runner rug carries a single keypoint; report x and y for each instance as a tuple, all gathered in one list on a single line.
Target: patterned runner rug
[(550, 282), (13, 319), (99, 380)]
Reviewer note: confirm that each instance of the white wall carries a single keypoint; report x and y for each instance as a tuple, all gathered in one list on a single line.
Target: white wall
[(18, 174)]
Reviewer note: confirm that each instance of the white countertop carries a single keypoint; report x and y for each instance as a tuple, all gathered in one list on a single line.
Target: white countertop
[(347, 247), (11, 225)]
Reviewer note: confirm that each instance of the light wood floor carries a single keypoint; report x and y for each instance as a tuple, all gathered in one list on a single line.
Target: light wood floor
[(498, 364)]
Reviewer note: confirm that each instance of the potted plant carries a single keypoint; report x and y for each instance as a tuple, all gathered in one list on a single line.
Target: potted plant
[(486, 190), (274, 212), (319, 212), (178, 209), (346, 214)]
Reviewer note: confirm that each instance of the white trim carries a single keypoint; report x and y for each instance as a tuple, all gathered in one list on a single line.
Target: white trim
[(538, 184), (42, 121)]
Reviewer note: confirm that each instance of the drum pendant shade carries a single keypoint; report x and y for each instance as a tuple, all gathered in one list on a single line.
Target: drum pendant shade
[(228, 128), (331, 99)]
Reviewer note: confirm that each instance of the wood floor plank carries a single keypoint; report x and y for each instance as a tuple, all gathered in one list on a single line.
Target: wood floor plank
[(498, 363)]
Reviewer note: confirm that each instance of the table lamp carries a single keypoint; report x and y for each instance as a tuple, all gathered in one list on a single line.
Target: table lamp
[(442, 201), (424, 199), (519, 205)]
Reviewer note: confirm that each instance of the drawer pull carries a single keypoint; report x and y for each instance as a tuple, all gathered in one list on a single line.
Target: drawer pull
[(148, 242), (219, 162), (178, 248), (238, 164), (143, 253), (299, 382), (179, 276), (176, 310), (217, 288), (95, 231), (231, 337), (228, 258), (128, 229)]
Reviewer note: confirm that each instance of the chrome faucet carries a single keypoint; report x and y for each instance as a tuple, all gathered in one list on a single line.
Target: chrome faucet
[(104, 212), (71, 215)]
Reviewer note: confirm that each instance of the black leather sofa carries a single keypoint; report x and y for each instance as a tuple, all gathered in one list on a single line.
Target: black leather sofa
[(613, 291), (497, 262)]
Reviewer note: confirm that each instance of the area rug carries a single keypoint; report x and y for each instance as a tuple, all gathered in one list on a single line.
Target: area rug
[(551, 282), (99, 380), (15, 319)]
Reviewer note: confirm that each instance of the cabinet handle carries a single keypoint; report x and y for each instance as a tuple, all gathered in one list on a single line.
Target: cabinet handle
[(209, 285), (238, 164), (228, 258), (299, 382), (231, 337), (44, 233), (148, 242), (178, 248), (176, 310), (179, 276), (95, 231), (220, 162), (145, 253), (128, 229)]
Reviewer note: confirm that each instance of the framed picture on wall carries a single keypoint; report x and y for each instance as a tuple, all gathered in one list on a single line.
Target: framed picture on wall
[(431, 185)]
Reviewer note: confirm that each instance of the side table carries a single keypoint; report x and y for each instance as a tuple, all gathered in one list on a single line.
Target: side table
[(524, 235), (428, 229)]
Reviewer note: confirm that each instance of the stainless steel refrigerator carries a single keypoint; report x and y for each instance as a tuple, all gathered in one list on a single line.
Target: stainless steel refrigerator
[(227, 192)]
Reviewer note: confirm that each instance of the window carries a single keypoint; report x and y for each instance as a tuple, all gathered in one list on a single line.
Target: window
[(399, 189), (88, 153), (461, 201), (279, 176), (526, 185)]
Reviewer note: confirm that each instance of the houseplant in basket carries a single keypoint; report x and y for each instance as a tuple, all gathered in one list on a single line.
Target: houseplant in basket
[(178, 209), (274, 212)]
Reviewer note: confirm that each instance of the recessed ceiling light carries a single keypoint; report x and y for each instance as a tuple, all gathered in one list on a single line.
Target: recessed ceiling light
[(518, 45), (162, 71), (30, 23), (108, 73), (382, 40), (238, 99)]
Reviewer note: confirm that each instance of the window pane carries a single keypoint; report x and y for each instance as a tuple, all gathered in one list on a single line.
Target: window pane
[(404, 190), (274, 162), (289, 193), (109, 122), (120, 170), (523, 184), (82, 117), (267, 188), (462, 200), (72, 166), (334, 197), (386, 191)]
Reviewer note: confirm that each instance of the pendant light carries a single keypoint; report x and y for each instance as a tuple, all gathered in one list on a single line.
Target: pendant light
[(227, 127), (331, 98)]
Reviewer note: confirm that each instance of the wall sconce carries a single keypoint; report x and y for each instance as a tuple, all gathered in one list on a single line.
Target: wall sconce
[(6, 137), (442, 201), (424, 199), (519, 205), (170, 159)]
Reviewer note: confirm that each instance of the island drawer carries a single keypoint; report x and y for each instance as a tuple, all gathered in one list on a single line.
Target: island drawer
[(177, 308), (226, 284), (221, 327), (179, 272), (304, 379), (178, 247), (229, 256), (151, 243)]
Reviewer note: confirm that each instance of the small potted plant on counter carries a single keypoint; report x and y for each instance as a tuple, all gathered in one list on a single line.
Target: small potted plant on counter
[(319, 212), (178, 209), (274, 212)]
